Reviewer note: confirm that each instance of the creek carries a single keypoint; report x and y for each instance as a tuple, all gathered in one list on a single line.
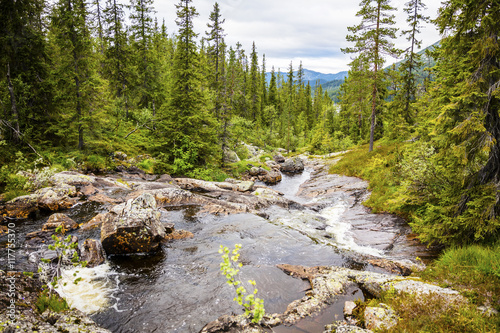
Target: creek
[(180, 289)]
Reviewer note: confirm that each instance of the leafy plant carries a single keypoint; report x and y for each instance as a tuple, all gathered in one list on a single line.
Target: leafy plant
[(230, 267), (67, 255)]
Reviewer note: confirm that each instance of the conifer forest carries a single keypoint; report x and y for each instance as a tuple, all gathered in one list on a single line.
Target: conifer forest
[(81, 80)]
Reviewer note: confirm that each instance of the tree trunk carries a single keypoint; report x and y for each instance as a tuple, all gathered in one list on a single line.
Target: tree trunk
[(375, 76), (15, 114)]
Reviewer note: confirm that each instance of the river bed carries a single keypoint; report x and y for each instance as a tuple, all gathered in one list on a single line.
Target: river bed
[(180, 289)]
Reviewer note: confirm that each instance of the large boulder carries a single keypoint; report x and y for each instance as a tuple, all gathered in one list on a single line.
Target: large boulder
[(271, 177), (278, 158), (293, 165), (59, 220), (21, 207), (72, 178), (56, 198), (133, 227)]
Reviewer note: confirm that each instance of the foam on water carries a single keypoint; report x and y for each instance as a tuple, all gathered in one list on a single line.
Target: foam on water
[(342, 231), (92, 293)]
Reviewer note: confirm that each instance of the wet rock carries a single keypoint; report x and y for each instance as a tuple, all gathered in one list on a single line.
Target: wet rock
[(21, 207), (59, 220), (278, 158), (72, 178), (133, 227), (92, 252), (95, 222), (271, 177), (380, 317), (88, 190), (293, 165), (178, 234), (101, 198)]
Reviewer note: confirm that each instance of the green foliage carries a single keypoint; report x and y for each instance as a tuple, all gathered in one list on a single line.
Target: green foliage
[(230, 267), (148, 165), (473, 267), (49, 301), (67, 255)]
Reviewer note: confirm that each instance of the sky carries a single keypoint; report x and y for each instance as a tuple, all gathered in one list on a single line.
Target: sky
[(311, 31)]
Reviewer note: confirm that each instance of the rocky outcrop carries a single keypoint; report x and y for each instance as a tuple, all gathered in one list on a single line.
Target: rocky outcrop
[(92, 252), (380, 317), (133, 227), (44, 236), (293, 165), (329, 282), (72, 178)]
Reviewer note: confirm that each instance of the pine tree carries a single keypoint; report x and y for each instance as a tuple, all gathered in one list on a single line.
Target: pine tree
[(254, 85), (117, 53), (216, 54), (141, 32), (465, 104), (189, 128), (413, 60), (75, 74), (24, 69), (372, 41)]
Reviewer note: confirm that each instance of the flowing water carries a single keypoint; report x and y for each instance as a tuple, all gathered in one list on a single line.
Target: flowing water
[(180, 289)]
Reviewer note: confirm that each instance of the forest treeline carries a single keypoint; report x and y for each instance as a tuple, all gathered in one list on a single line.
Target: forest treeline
[(80, 80), (80, 75)]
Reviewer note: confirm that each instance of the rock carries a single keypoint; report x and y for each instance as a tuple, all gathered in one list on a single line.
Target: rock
[(88, 190), (72, 178), (21, 207), (95, 222), (133, 227), (92, 252), (119, 155), (349, 306), (380, 317), (404, 268), (178, 234), (59, 220), (56, 198), (257, 171), (487, 310), (293, 165), (166, 179), (245, 186), (273, 165), (101, 198), (278, 158), (230, 156), (344, 327), (271, 177)]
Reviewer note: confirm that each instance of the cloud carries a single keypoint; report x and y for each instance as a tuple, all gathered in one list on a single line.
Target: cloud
[(291, 30)]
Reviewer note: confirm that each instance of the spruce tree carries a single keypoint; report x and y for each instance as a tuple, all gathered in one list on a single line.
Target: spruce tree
[(189, 128), (372, 40)]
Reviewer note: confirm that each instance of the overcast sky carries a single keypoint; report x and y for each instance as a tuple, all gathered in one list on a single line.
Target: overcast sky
[(311, 31)]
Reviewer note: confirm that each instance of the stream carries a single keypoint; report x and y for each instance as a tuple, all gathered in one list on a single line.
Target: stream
[(180, 289)]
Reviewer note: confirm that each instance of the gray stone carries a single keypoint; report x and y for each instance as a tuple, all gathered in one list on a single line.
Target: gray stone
[(380, 317), (133, 227)]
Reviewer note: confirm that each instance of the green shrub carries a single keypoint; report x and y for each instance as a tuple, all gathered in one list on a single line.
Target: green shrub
[(148, 165), (52, 302)]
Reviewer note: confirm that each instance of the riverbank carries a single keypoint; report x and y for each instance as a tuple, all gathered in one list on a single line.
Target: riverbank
[(307, 229)]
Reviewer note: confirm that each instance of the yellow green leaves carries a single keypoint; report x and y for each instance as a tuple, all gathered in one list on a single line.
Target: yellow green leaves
[(230, 267)]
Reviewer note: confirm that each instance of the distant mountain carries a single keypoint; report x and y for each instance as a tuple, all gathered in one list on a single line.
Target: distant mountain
[(313, 77)]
